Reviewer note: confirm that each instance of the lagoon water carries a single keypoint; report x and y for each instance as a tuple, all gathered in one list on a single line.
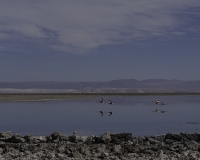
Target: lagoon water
[(130, 114)]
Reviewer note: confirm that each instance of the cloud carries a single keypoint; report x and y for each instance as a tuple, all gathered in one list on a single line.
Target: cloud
[(79, 26), (4, 36)]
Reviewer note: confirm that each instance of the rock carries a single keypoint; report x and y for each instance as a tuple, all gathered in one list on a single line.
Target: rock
[(142, 148), (132, 155), (30, 139), (42, 139), (104, 154), (100, 148), (128, 136), (61, 149), (16, 139), (108, 146), (117, 149), (140, 139), (135, 142), (106, 137), (191, 136), (1, 151), (176, 137), (5, 136), (76, 139), (57, 137), (77, 155), (153, 141), (160, 138), (72, 139), (150, 152), (121, 137), (161, 155), (87, 153), (2, 143), (90, 140), (169, 141), (8, 134), (199, 148), (194, 155), (84, 138)]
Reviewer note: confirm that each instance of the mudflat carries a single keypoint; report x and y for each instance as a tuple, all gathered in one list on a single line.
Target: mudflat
[(40, 97), (60, 96)]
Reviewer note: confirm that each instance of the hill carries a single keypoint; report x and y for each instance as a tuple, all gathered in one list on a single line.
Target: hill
[(121, 86)]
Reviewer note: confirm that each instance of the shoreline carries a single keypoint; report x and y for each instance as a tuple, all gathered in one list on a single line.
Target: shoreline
[(109, 146), (6, 97)]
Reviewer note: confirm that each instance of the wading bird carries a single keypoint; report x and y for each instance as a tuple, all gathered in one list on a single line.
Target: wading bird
[(110, 113), (163, 103), (157, 111), (157, 101), (101, 112), (110, 102), (101, 101)]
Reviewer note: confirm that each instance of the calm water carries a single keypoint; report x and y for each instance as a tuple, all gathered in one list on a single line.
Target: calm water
[(131, 114)]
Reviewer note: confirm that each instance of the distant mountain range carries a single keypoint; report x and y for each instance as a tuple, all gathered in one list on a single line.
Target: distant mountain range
[(121, 86)]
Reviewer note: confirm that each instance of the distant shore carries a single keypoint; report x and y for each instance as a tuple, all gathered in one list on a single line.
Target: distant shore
[(60, 96)]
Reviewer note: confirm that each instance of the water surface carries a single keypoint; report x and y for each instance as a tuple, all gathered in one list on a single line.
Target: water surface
[(130, 114)]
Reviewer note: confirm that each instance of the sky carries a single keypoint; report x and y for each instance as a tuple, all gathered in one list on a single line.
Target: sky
[(99, 40)]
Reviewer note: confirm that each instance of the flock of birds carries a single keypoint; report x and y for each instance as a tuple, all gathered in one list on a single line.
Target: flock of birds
[(102, 112), (162, 103), (110, 102)]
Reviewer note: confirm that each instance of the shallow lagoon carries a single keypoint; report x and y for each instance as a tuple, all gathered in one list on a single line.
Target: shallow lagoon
[(131, 114)]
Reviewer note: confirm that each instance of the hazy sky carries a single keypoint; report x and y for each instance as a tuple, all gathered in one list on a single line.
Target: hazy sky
[(99, 40)]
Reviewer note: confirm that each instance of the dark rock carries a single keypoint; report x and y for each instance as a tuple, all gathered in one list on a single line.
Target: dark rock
[(199, 148), (61, 149), (29, 138), (141, 139), (41, 139), (118, 138), (142, 148), (176, 137), (191, 136), (135, 142), (155, 148), (72, 139), (117, 149), (168, 141), (5, 136), (57, 137), (128, 136), (90, 140), (32, 139), (77, 155), (100, 148), (108, 146), (153, 141), (16, 139), (151, 152), (106, 138), (2, 143), (160, 138)]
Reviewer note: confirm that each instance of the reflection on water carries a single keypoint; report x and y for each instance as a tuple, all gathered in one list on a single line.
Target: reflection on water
[(130, 114)]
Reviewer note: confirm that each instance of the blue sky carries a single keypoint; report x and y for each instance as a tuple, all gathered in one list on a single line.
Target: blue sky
[(99, 40)]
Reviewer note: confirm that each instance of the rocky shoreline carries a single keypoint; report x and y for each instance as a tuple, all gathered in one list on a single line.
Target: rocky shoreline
[(119, 146)]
